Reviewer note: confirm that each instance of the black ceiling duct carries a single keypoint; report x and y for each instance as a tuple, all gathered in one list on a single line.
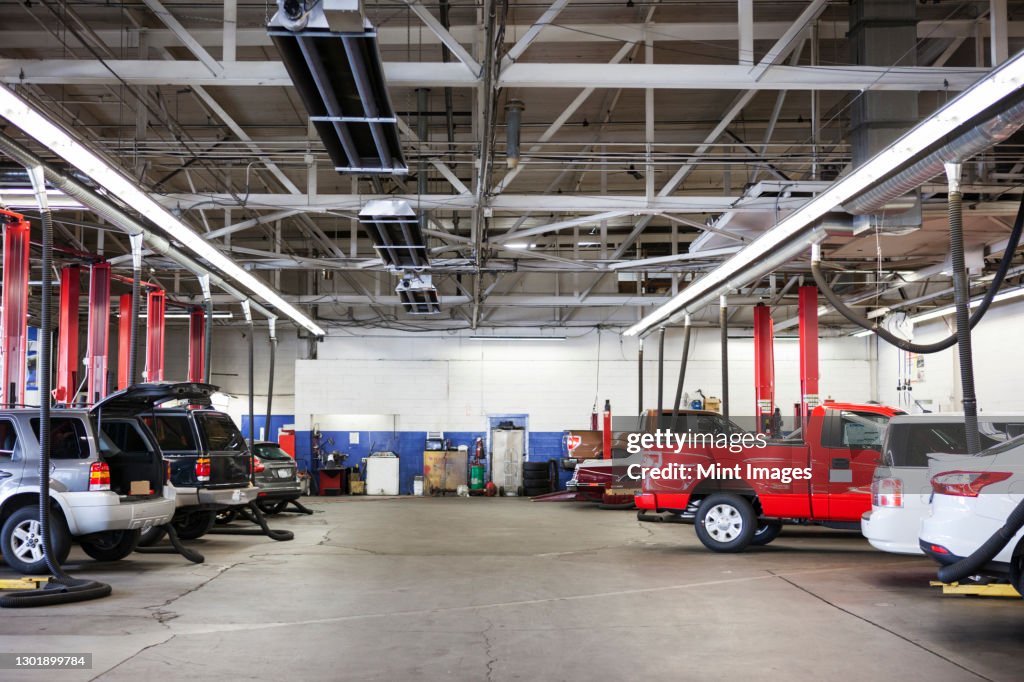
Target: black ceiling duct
[(331, 54), (418, 295), (395, 233)]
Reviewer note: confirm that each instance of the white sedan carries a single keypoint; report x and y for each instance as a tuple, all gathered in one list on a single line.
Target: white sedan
[(973, 498)]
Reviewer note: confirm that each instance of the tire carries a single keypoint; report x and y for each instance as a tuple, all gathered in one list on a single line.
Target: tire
[(1017, 569), (113, 545), (194, 525), (726, 523), (152, 536), (531, 477), (226, 516), (270, 508), (766, 532), (539, 490), (20, 537), (535, 468)]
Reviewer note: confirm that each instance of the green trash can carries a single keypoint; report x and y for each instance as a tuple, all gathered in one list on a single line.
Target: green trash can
[(476, 477)]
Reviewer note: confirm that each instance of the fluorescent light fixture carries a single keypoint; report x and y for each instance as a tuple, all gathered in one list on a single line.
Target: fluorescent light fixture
[(481, 337), (997, 85), (520, 245), (863, 333), (24, 116)]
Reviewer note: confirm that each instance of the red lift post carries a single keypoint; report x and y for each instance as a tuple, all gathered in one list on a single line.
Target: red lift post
[(124, 335), (764, 367), (196, 343), (808, 314), (98, 344), (67, 336), (155, 310), (14, 332)]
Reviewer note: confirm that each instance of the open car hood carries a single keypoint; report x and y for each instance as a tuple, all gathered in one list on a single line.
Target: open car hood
[(142, 397)]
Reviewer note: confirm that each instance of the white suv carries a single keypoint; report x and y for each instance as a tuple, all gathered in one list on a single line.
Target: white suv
[(973, 497)]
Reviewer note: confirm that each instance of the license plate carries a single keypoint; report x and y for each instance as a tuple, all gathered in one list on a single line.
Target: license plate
[(284, 473)]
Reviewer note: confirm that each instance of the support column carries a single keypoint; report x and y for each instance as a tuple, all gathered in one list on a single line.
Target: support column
[(98, 341), (14, 332), (67, 336), (764, 368), (808, 314), (155, 309), (723, 325)]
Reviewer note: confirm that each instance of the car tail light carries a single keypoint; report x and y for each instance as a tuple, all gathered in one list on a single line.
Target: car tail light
[(168, 472), (203, 469), (258, 465), (99, 476), (887, 492), (966, 483), (938, 549)]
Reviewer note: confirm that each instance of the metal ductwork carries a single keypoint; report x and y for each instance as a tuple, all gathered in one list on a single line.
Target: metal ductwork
[(883, 33), (108, 211), (418, 295), (974, 141), (395, 233)]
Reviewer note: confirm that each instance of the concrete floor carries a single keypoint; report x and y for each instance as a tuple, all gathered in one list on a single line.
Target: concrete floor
[(506, 589)]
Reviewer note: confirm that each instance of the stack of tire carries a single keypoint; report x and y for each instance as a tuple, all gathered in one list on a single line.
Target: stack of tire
[(540, 478)]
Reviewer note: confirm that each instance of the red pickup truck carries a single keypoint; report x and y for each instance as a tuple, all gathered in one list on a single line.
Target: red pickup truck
[(737, 493)]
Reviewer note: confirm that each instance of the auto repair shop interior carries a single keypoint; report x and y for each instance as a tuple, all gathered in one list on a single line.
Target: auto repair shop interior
[(500, 340)]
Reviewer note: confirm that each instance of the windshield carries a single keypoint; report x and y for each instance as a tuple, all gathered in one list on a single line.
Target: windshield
[(271, 451)]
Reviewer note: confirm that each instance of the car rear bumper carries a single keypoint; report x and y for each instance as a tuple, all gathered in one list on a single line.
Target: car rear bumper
[(893, 529), (96, 512), (289, 493), (675, 502), (215, 498)]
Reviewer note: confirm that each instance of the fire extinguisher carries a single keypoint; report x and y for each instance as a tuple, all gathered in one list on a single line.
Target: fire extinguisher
[(606, 436), (478, 451)]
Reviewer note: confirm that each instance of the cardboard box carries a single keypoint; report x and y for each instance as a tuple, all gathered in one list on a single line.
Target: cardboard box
[(139, 488), (357, 487)]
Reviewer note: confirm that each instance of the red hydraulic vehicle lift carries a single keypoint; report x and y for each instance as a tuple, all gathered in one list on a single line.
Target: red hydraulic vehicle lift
[(14, 331), (124, 336), (764, 368), (67, 336), (98, 343), (196, 339), (155, 311), (808, 314)]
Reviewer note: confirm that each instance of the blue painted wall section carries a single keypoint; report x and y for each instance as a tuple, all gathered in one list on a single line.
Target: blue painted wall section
[(276, 422), (544, 446)]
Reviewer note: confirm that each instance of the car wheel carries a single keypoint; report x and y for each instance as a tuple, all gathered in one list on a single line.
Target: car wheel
[(113, 545), (194, 525), (152, 536), (21, 538), (766, 532), (1017, 569), (272, 508), (226, 516), (726, 522)]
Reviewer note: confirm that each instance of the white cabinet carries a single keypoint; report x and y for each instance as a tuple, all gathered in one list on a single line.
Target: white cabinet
[(382, 474)]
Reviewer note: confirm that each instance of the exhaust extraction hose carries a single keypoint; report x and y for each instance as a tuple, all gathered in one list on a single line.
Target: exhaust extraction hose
[(856, 318)]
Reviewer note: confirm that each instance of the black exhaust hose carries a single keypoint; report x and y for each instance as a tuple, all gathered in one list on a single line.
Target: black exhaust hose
[(133, 338), (723, 323), (962, 298), (267, 435), (856, 318), (682, 376), (207, 332), (62, 589), (969, 566)]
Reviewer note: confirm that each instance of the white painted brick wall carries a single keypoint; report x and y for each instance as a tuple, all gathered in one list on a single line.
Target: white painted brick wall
[(445, 381)]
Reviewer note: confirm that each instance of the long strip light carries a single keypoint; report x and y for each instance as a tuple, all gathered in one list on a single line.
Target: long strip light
[(24, 116), (950, 309), (997, 85)]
